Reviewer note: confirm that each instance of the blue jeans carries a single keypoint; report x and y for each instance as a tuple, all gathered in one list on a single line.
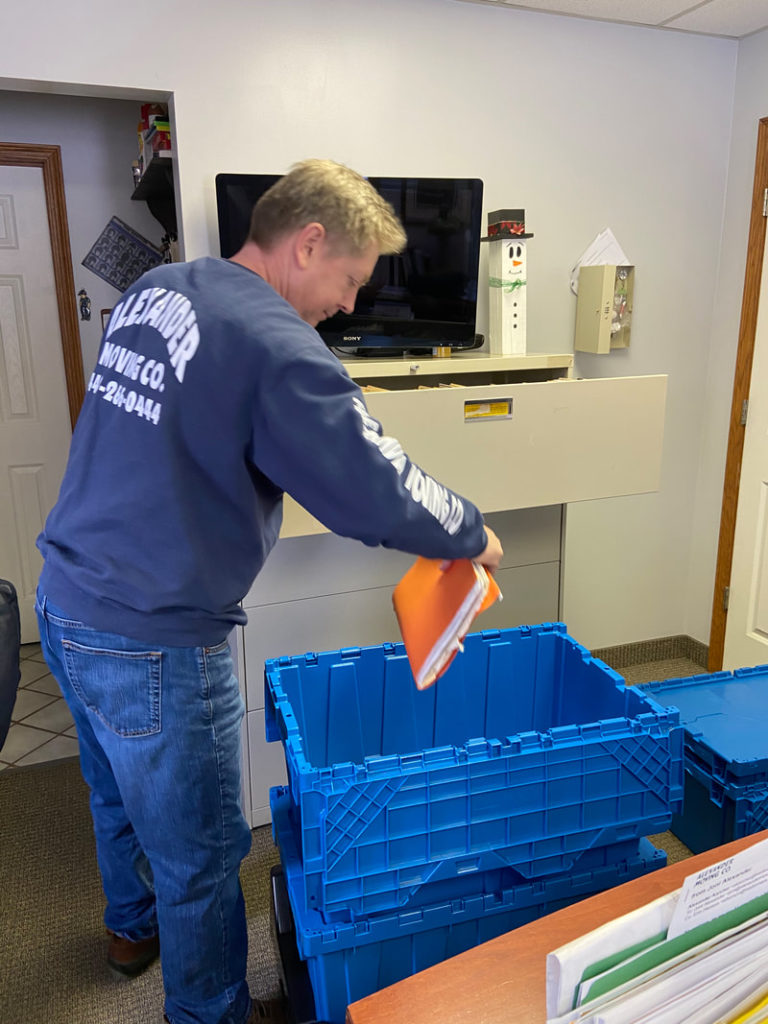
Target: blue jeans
[(159, 732)]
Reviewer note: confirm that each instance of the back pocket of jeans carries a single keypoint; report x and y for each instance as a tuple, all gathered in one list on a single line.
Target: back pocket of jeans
[(121, 687)]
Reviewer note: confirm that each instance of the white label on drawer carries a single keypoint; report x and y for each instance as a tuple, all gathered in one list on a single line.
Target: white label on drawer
[(498, 409)]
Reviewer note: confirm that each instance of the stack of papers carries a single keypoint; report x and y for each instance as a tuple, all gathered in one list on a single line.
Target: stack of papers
[(435, 603), (604, 249), (696, 955)]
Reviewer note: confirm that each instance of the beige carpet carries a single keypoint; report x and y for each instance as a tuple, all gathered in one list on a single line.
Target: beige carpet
[(651, 671), (52, 944)]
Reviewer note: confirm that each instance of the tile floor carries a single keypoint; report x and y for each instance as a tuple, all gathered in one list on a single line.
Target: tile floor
[(41, 725)]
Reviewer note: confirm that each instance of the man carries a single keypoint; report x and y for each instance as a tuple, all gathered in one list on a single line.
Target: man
[(212, 396)]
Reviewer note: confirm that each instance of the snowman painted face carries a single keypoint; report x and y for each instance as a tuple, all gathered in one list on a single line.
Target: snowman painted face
[(517, 262)]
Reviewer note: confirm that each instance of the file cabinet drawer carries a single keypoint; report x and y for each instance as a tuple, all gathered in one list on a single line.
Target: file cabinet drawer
[(365, 617), (266, 768), (512, 446), (316, 566)]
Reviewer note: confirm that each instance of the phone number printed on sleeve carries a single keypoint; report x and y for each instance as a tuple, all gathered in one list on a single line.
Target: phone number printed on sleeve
[(127, 400)]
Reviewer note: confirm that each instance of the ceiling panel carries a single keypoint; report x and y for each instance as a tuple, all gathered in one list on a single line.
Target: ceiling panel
[(724, 17), (734, 18), (645, 12)]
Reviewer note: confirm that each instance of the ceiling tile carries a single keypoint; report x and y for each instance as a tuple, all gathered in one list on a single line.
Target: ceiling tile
[(724, 17), (734, 18), (640, 12)]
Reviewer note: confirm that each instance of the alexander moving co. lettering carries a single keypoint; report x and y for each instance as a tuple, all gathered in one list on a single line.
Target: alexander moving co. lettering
[(170, 313), (133, 365), (436, 499)]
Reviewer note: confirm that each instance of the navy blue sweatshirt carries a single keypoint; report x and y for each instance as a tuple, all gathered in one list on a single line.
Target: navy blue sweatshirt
[(210, 398)]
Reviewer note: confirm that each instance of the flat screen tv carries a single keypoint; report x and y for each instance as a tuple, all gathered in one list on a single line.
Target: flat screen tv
[(421, 298)]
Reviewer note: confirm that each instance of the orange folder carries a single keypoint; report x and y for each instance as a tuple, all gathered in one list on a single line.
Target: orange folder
[(436, 602)]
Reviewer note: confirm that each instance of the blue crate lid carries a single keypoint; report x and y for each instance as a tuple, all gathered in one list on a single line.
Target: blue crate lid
[(723, 715)]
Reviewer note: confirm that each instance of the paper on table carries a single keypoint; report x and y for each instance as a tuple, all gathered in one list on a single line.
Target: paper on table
[(716, 948), (603, 250), (725, 907), (721, 887), (602, 961), (605, 946), (706, 1002), (738, 918), (751, 1010), (708, 986)]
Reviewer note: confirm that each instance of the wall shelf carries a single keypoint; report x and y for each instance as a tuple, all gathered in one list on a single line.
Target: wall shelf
[(155, 188)]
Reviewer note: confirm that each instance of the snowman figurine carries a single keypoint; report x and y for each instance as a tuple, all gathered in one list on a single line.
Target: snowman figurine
[(507, 275)]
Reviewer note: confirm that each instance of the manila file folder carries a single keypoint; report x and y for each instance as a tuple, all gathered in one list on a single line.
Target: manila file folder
[(435, 603)]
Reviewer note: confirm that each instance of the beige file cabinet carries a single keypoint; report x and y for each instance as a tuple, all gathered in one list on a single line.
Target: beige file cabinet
[(562, 440), (553, 440)]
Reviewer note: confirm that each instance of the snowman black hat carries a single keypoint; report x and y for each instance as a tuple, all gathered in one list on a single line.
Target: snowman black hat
[(506, 224)]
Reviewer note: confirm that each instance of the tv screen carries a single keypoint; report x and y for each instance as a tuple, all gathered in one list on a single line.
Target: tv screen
[(421, 298)]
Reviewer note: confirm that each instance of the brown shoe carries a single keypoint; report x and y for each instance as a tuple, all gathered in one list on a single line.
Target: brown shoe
[(270, 1011), (131, 958)]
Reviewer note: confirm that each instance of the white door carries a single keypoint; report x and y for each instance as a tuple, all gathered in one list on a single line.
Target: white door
[(34, 415), (746, 632)]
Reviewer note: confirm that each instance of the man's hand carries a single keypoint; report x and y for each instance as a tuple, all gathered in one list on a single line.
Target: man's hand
[(491, 556)]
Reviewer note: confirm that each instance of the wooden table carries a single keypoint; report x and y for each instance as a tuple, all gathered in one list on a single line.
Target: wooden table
[(503, 981)]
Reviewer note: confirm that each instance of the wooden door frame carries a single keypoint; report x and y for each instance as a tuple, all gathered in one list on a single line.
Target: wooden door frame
[(741, 382), (48, 158)]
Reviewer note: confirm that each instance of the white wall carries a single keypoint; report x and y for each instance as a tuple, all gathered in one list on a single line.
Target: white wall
[(584, 124), (98, 143)]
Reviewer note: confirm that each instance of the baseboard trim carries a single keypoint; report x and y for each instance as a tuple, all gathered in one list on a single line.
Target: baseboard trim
[(661, 649)]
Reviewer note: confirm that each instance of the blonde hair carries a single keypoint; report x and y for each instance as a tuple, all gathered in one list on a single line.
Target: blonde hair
[(349, 208)]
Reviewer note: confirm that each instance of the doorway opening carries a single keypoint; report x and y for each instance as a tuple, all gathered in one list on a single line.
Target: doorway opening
[(741, 383)]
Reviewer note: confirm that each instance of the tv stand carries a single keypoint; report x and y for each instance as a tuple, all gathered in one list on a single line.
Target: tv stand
[(406, 352), (392, 353)]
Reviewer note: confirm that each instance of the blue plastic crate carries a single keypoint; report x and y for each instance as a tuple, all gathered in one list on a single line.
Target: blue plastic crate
[(349, 961), (525, 755), (715, 813), (485, 873), (725, 754), (723, 715)]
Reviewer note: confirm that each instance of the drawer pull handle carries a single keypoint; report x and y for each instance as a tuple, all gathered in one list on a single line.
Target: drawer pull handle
[(498, 409)]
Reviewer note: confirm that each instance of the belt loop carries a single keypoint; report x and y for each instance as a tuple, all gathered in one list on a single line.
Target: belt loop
[(43, 602)]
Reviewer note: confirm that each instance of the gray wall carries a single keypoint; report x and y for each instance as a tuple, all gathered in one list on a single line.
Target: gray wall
[(98, 142)]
